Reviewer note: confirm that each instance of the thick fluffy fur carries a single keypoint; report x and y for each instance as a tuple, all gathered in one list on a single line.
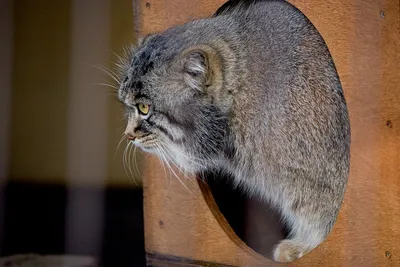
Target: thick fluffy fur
[(252, 91)]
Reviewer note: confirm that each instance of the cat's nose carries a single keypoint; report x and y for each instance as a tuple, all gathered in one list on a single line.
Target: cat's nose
[(130, 136)]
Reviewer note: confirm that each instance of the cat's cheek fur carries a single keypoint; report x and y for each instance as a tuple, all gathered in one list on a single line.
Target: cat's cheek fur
[(146, 149), (183, 161)]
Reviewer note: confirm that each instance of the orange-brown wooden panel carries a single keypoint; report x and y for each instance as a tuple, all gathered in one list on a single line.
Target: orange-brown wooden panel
[(363, 37)]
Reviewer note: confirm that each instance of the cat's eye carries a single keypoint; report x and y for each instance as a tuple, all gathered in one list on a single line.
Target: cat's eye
[(143, 108)]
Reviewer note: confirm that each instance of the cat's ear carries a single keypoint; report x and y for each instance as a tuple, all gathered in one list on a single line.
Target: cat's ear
[(197, 71)]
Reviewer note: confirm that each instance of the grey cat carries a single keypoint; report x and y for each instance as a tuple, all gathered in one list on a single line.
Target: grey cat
[(251, 91)]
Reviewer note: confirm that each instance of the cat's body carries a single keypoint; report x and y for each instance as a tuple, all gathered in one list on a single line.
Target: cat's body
[(252, 91)]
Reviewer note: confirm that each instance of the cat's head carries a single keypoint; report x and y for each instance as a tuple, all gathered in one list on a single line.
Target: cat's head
[(170, 92)]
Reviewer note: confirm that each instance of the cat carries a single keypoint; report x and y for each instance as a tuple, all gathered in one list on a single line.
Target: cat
[(251, 91)]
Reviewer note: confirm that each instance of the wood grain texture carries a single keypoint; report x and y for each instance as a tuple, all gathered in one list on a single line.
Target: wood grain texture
[(364, 39), (158, 260)]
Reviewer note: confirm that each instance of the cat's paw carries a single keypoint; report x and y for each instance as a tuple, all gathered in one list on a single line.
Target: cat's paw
[(288, 250)]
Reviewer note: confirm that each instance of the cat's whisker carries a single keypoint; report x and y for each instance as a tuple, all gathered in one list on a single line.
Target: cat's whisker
[(177, 166), (124, 160), (129, 154), (123, 137), (137, 170), (120, 58), (163, 165), (128, 157), (122, 64), (187, 157), (109, 89), (111, 72), (132, 174), (108, 86), (108, 72), (165, 157)]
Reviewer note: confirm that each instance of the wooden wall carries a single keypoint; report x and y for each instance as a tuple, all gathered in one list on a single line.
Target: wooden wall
[(363, 37)]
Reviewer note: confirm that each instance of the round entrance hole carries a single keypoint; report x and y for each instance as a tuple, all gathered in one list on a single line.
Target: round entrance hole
[(255, 222)]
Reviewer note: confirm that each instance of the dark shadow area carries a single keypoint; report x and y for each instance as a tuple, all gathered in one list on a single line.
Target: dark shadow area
[(123, 243), (253, 221), (2, 197), (34, 222)]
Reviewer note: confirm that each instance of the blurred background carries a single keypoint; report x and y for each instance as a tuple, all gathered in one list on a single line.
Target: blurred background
[(63, 187)]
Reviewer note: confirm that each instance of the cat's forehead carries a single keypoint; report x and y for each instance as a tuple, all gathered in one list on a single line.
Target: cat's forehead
[(142, 63), (145, 67), (151, 49)]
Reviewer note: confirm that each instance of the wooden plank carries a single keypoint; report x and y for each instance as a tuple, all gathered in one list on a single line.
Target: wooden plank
[(156, 15), (363, 37), (158, 260), (30, 260)]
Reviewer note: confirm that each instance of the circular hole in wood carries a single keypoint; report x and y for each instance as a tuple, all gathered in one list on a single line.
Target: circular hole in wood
[(254, 222), (318, 161)]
